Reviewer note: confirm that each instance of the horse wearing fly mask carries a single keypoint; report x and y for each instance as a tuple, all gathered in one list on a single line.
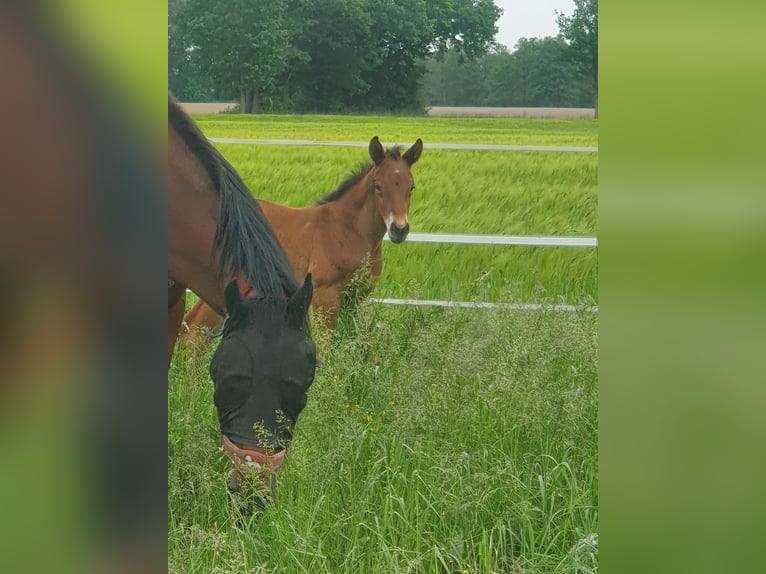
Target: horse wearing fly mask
[(221, 247)]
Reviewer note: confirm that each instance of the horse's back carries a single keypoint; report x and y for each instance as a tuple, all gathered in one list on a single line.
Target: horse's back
[(296, 229)]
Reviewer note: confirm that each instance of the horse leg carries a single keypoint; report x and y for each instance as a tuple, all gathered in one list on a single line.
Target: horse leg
[(201, 315), (175, 316), (326, 301)]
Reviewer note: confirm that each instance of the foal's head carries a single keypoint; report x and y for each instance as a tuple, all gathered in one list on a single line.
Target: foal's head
[(394, 185)]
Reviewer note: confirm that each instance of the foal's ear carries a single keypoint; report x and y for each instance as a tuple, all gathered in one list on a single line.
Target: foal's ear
[(299, 303), (376, 150), (232, 298), (413, 154)]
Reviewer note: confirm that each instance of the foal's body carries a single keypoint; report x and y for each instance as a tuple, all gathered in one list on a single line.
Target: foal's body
[(332, 240), (340, 237)]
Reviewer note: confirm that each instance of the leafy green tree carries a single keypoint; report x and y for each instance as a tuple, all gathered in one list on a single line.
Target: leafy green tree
[(330, 50), (466, 26), (241, 45), (185, 80), (450, 83), (400, 36), (581, 31), (549, 78), (320, 55), (407, 31), (539, 73)]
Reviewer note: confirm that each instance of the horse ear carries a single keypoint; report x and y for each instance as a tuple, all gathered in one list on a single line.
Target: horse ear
[(232, 298), (377, 154), (299, 303), (413, 154)]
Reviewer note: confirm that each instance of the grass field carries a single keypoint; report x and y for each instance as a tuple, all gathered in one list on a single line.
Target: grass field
[(403, 129), (457, 192), (434, 440)]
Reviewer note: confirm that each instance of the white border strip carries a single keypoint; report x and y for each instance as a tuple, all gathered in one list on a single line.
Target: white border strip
[(480, 305), (473, 239), (453, 146)]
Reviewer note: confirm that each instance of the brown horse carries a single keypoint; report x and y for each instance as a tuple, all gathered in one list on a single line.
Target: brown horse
[(333, 238), (266, 359)]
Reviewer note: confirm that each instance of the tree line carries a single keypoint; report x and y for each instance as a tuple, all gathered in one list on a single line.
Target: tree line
[(372, 55), (538, 73)]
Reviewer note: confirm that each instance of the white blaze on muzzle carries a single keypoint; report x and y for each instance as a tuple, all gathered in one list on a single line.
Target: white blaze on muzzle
[(391, 219)]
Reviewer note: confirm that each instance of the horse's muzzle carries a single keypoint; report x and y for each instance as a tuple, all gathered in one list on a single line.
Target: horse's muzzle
[(398, 234), (253, 464)]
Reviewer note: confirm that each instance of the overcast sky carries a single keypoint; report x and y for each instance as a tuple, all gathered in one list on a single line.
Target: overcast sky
[(529, 19)]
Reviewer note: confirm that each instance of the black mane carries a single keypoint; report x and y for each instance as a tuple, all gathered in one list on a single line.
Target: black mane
[(244, 240), (354, 177)]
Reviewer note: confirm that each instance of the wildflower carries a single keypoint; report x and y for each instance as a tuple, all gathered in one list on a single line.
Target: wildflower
[(391, 403), (433, 385), (369, 417), (335, 377)]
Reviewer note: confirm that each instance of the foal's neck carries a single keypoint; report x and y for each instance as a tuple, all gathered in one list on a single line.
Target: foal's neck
[(362, 210)]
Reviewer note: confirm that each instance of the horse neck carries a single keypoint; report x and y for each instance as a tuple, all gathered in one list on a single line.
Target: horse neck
[(361, 209), (192, 210)]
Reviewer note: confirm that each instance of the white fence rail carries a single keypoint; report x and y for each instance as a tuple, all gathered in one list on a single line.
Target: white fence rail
[(482, 305), (531, 240)]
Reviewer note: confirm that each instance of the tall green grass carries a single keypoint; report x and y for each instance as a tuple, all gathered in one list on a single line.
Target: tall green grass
[(460, 192), (433, 441), (518, 274)]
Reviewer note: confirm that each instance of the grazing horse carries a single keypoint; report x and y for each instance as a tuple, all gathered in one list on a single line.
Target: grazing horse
[(222, 248), (332, 239)]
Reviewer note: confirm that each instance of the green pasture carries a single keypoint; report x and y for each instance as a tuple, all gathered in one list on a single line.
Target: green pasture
[(434, 441), (458, 191), (509, 131)]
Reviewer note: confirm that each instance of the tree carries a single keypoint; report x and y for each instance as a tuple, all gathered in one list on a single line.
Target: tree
[(321, 55), (581, 31), (467, 27), (449, 83), (539, 73), (330, 50), (185, 80), (241, 45), (545, 76), (407, 31)]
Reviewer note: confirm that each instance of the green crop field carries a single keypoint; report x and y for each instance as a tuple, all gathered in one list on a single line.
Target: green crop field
[(457, 191), (511, 131), (434, 440)]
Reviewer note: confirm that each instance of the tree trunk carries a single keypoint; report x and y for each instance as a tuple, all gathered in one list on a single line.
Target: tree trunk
[(255, 102), (244, 104), (249, 101)]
